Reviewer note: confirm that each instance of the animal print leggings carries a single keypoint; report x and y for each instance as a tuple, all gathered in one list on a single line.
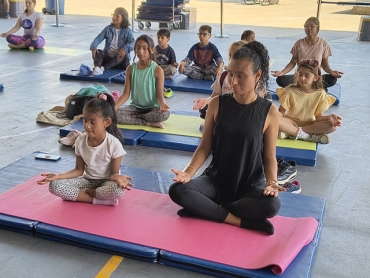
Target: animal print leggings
[(130, 115), (68, 189)]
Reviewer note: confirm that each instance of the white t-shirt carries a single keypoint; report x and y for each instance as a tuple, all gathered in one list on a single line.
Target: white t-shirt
[(29, 22), (226, 87), (112, 49), (98, 159)]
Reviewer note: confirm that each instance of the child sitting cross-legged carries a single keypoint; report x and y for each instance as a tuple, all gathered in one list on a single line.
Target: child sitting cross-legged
[(148, 106), (165, 56), (302, 106), (203, 61), (96, 177)]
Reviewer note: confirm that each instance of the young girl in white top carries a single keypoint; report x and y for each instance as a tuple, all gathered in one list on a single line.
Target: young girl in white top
[(302, 106), (96, 177), (31, 21), (144, 82)]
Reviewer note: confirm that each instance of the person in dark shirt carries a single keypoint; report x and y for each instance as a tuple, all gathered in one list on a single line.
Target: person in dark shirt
[(204, 61), (239, 187), (165, 56)]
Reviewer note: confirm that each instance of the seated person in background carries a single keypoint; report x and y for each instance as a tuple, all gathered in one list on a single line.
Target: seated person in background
[(310, 47), (164, 54), (302, 106), (31, 21), (222, 86), (119, 42), (248, 36), (204, 61)]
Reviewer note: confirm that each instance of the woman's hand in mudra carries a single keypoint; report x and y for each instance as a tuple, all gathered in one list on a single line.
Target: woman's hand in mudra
[(181, 177), (273, 189)]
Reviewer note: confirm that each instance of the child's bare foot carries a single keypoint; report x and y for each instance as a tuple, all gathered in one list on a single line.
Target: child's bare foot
[(159, 125), (31, 48)]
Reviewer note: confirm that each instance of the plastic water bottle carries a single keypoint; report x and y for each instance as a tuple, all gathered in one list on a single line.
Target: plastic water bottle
[(115, 95)]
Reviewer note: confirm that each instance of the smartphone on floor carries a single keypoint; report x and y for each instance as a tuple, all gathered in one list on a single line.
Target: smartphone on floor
[(46, 156)]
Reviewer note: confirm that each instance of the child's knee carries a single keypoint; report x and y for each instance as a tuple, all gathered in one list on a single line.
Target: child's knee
[(53, 187)]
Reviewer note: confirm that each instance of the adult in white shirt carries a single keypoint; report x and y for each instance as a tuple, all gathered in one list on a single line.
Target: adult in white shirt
[(31, 21)]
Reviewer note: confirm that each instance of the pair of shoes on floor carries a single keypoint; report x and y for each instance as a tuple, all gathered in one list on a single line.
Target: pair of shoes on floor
[(70, 139), (209, 77), (293, 187), (287, 170), (7, 15), (98, 71), (167, 92), (319, 138), (316, 138), (201, 127)]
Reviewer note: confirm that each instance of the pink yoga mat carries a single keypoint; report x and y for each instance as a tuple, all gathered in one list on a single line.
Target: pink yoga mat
[(150, 219)]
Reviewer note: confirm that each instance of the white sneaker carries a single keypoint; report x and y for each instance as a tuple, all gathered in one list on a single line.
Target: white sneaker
[(70, 139), (97, 71)]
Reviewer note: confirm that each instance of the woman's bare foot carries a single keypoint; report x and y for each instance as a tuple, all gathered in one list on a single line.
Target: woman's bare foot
[(159, 125), (14, 46), (31, 48)]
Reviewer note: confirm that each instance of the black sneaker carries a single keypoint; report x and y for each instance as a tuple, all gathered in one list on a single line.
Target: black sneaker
[(286, 171)]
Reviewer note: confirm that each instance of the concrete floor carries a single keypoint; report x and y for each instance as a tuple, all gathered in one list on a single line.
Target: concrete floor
[(32, 85)]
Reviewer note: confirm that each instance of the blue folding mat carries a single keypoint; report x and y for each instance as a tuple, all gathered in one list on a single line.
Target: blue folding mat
[(106, 77), (130, 137), (335, 91), (183, 83), (188, 143), (295, 206), (10, 176), (300, 155), (180, 83)]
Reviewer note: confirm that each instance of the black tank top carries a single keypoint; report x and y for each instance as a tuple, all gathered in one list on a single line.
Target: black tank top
[(237, 147)]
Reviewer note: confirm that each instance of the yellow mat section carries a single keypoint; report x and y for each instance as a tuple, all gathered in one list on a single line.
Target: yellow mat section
[(51, 50), (296, 144), (176, 124), (189, 126)]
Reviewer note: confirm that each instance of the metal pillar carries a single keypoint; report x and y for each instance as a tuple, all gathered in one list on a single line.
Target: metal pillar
[(57, 24), (133, 18), (318, 9), (222, 21)]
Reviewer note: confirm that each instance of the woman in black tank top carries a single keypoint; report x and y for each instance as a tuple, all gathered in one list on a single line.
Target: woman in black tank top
[(239, 187)]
